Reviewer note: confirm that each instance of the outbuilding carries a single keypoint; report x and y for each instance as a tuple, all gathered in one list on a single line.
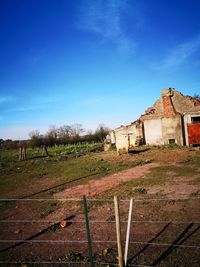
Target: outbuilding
[(174, 118)]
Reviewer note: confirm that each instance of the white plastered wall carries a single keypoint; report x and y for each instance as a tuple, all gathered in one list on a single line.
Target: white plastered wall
[(153, 132)]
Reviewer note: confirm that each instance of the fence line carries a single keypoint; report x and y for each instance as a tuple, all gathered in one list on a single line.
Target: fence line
[(116, 264), (97, 200), (96, 241), (94, 221), (67, 262), (41, 262), (83, 242)]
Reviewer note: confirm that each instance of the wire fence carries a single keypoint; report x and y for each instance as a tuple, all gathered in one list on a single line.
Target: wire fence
[(68, 263), (95, 241), (16, 242), (99, 199)]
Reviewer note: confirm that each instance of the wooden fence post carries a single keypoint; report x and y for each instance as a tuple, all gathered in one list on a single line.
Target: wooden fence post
[(23, 153), (75, 150), (91, 263), (20, 153), (118, 231), (44, 151)]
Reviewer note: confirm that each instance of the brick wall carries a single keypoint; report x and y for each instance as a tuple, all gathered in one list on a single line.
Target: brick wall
[(168, 108)]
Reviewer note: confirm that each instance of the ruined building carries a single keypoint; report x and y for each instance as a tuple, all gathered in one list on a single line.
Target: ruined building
[(174, 118)]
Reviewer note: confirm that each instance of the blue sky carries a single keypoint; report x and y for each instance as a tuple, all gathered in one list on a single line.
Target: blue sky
[(91, 62)]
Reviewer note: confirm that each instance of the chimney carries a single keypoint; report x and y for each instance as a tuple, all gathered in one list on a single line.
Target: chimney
[(168, 107)]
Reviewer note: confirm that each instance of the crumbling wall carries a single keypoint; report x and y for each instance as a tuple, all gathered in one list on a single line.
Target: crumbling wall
[(122, 139), (129, 136), (163, 123), (112, 137), (131, 131)]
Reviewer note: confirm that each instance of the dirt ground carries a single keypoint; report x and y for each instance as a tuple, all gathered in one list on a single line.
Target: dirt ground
[(165, 229), (94, 188)]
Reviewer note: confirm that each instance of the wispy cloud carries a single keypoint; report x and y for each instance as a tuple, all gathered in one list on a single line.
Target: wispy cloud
[(36, 103), (181, 53), (24, 108), (5, 99), (104, 17), (47, 99)]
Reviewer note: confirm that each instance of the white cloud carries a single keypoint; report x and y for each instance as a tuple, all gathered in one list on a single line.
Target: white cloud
[(36, 103), (104, 18), (5, 99), (24, 108), (47, 99), (181, 53)]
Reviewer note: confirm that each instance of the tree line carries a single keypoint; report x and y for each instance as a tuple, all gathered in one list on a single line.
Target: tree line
[(66, 134)]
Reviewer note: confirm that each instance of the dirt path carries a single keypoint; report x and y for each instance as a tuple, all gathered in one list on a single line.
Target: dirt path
[(94, 187)]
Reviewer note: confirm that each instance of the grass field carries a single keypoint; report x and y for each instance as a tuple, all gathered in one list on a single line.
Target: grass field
[(72, 170)]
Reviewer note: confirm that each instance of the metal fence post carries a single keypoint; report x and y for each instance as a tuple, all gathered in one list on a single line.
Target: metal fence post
[(128, 231), (118, 230), (91, 263)]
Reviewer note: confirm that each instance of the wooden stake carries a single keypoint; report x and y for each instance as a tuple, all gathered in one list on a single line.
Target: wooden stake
[(128, 231), (118, 231), (44, 151), (20, 153), (91, 263), (24, 153), (75, 150)]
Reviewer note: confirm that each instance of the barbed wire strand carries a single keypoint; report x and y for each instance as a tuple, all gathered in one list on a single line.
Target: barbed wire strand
[(116, 264), (94, 221), (96, 200), (95, 241), (67, 262), (41, 262)]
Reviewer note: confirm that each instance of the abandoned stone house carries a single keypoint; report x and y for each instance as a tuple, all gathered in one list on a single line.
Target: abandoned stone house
[(174, 118)]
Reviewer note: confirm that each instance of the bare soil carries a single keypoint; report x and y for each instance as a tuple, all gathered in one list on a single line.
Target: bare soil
[(174, 224), (93, 188)]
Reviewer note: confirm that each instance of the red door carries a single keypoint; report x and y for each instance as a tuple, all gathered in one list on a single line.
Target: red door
[(193, 133)]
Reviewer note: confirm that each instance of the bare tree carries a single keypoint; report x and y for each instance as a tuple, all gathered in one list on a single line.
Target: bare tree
[(51, 136), (77, 130), (64, 134), (101, 132), (36, 138)]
